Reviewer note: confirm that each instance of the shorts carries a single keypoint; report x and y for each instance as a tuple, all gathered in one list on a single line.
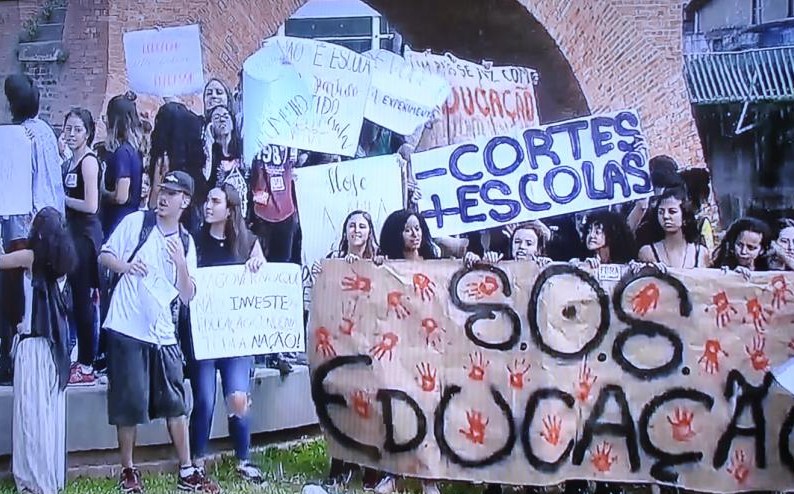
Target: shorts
[(14, 228), (145, 382)]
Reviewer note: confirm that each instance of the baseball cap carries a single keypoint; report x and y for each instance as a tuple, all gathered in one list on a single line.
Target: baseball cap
[(178, 181)]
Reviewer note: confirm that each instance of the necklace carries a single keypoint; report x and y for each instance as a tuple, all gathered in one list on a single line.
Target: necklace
[(670, 260)]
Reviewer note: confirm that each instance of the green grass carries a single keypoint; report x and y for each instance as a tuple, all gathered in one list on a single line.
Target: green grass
[(287, 471)]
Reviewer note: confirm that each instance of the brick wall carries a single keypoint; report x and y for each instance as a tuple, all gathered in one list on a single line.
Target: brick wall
[(10, 26)]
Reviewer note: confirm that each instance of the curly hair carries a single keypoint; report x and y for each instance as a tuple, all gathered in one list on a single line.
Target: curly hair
[(619, 239), (689, 225), (54, 254), (725, 253), (372, 245), (541, 232), (391, 236)]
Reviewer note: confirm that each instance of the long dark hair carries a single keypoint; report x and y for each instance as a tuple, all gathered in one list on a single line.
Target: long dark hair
[(372, 246), (619, 239), (391, 236), (237, 234), (88, 122), (236, 142), (123, 123), (689, 225), (177, 133), (53, 249), (725, 253)]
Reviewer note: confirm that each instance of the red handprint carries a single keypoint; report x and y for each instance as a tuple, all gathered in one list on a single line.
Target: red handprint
[(780, 290), (361, 404), (757, 356), (681, 424), (757, 313), (427, 377), (387, 343), (432, 331), (478, 366), (324, 345), (356, 283), (602, 459), (723, 309), (348, 315), (552, 426), (585, 384), (395, 303), (710, 358), (484, 288), (646, 299), (738, 467), (517, 373), (424, 286), (476, 431)]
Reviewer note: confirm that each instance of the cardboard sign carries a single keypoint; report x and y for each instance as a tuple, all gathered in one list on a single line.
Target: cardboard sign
[(338, 80), (510, 375), (533, 173), (402, 98), (484, 101), (237, 313), (16, 170), (165, 62)]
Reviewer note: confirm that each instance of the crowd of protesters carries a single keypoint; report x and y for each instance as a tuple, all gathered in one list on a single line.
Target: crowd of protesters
[(156, 200)]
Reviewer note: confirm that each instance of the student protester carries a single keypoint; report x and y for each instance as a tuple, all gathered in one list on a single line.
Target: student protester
[(674, 234), (698, 186), (224, 240), (743, 247), (607, 239), (664, 175), (227, 153), (781, 251), (81, 182), (124, 165), (527, 242), (42, 356), (155, 258), (216, 93)]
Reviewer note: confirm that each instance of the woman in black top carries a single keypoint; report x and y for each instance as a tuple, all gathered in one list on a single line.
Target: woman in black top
[(227, 153), (81, 184)]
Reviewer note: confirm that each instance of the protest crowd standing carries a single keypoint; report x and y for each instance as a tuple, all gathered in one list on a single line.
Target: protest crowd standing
[(197, 203)]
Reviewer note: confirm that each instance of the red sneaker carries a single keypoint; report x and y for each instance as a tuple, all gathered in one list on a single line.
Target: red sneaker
[(79, 378), (197, 481), (130, 481)]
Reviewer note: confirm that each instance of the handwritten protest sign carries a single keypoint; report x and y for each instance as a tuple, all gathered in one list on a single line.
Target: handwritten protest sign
[(338, 80), (402, 98), (511, 375), (532, 173), (16, 172), (484, 101), (164, 62), (237, 313)]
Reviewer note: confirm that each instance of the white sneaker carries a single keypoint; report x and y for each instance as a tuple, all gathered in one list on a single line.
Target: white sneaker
[(387, 485), (430, 487)]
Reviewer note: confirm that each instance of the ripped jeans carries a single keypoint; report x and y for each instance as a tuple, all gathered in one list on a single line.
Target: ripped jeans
[(235, 381)]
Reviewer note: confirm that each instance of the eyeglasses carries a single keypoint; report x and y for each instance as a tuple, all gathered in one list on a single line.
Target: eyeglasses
[(218, 117)]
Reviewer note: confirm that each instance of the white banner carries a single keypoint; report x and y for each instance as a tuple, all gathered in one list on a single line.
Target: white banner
[(533, 173), (165, 62), (237, 313), (16, 171), (401, 97)]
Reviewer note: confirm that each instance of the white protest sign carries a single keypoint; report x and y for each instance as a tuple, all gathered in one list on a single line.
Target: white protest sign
[(533, 173), (165, 62), (338, 80), (328, 193), (237, 313), (16, 171), (402, 98), (484, 100)]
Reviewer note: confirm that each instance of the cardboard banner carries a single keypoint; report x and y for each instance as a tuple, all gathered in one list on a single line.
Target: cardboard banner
[(533, 173), (164, 62), (484, 101), (16, 170), (402, 98), (338, 80), (510, 375), (237, 313)]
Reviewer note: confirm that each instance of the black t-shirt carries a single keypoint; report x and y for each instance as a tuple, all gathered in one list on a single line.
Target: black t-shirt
[(213, 252)]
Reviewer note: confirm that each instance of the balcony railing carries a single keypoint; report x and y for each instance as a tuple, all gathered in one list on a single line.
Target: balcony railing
[(741, 77)]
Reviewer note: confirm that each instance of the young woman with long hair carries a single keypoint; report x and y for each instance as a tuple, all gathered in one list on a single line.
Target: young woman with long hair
[(124, 167), (674, 233), (224, 240), (607, 239), (81, 183), (42, 357), (743, 246), (227, 153)]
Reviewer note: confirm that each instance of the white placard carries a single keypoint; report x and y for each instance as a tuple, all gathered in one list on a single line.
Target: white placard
[(165, 62), (402, 98), (533, 173), (16, 171), (237, 313)]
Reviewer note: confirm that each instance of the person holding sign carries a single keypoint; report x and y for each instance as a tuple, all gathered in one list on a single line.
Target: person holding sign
[(224, 240), (743, 246), (527, 243), (607, 239)]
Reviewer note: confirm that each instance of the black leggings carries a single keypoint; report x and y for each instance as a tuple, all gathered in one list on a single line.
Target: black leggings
[(82, 280)]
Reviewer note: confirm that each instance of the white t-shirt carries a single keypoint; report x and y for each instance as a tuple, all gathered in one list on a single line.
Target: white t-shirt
[(135, 311)]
